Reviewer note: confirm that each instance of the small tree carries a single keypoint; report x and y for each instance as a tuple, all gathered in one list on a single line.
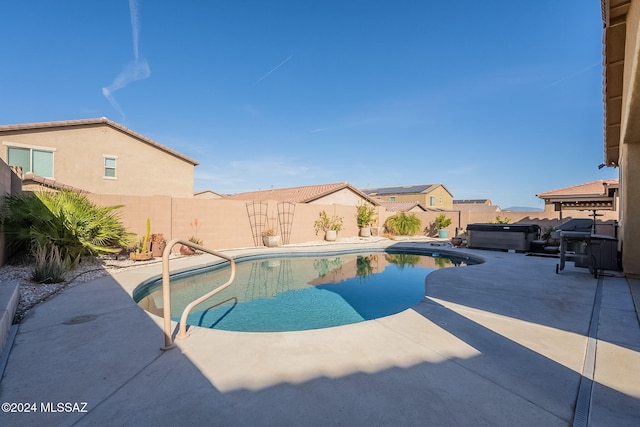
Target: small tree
[(442, 221), (366, 215), (326, 223)]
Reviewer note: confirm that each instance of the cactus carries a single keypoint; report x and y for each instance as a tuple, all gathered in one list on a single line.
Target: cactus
[(146, 237)]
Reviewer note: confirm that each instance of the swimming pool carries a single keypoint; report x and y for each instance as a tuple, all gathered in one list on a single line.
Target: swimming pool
[(301, 292)]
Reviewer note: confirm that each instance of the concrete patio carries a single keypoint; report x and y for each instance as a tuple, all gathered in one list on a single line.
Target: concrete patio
[(507, 342)]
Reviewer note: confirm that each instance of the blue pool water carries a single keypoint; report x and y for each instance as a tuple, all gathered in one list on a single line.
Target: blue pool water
[(300, 293)]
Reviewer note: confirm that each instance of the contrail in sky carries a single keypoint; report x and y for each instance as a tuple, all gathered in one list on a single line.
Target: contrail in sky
[(572, 75), (136, 70), (273, 69)]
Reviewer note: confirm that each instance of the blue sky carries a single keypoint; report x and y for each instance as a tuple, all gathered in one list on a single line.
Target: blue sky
[(494, 99)]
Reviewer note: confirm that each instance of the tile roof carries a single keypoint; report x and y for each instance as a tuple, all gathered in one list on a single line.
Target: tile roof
[(471, 201), (401, 206), (593, 188), (50, 183), (304, 194), (96, 121)]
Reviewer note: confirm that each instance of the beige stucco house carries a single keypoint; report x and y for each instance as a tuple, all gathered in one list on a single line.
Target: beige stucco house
[(97, 156), (430, 196), (341, 193), (600, 195), (621, 38), (407, 207)]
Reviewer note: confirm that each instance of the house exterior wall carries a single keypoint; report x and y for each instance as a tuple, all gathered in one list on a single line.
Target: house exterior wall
[(629, 153), (341, 197), (78, 160)]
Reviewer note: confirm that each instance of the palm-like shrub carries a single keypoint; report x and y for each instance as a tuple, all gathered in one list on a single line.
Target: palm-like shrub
[(66, 220), (403, 225)]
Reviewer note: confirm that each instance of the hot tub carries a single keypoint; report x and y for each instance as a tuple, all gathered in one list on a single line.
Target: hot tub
[(517, 237)]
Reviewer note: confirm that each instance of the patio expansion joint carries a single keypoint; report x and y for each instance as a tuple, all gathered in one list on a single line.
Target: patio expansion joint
[(585, 389)]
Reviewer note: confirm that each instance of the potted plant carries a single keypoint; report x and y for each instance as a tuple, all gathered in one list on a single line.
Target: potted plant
[(158, 243), (365, 217), (142, 252), (330, 226), (442, 222), (187, 250), (270, 239)]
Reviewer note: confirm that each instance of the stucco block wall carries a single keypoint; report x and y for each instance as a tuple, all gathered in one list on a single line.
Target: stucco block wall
[(78, 160), (225, 224)]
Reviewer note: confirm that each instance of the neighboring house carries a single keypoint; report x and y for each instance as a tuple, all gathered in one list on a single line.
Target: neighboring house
[(621, 51), (472, 202), (207, 194), (475, 205), (97, 156), (340, 193), (601, 195), (431, 196), (407, 207)]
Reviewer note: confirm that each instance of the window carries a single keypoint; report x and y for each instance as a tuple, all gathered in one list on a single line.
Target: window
[(110, 166), (392, 198), (432, 200), (40, 162)]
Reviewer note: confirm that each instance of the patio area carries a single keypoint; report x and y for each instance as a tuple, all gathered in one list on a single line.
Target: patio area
[(507, 342)]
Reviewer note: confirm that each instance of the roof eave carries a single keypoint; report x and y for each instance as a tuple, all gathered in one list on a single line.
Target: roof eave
[(94, 122)]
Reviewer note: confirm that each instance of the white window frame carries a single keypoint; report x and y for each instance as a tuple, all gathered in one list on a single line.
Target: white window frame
[(31, 148), (104, 166)]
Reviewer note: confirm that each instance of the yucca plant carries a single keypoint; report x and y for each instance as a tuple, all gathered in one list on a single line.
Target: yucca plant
[(403, 225)]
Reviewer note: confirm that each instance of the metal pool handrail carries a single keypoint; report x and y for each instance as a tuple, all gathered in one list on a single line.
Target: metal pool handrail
[(166, 290)]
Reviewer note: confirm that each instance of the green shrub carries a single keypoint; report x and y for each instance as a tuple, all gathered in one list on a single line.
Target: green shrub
[(403, 224), (67, 220), (499, 220)]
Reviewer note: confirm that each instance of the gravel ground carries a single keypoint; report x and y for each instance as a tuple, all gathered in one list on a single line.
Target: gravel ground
[(33, 293)]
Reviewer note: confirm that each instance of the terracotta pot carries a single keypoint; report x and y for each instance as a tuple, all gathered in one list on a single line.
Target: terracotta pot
[(157, 248), (186, 250)]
